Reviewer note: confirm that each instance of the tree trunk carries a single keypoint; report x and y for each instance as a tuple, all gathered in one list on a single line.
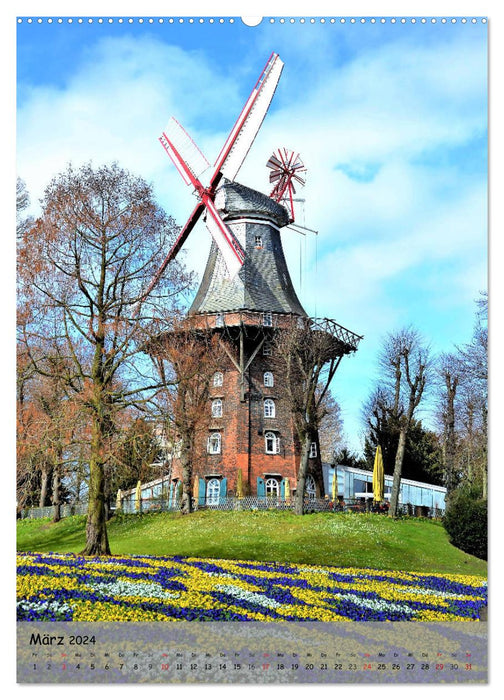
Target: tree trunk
[(186, 458), (396, 481), (44, 487), (485, 454), (450, 444), (56, 496), (96, 530), (301, 479)]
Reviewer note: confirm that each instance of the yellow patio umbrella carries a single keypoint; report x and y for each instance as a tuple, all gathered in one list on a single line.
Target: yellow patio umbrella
[(287, 489), (334, 492), (378, 476), (138, 496), (118, 500), (195, 491)]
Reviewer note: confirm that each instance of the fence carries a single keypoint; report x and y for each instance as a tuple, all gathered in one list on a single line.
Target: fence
[(154, 505), (66, 509)]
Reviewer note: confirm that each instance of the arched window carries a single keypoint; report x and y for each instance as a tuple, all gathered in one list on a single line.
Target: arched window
[(268, 379), (213, 492), (217, 408), (310, 489), (271, 443), (269, 408), (214, 444), (218, 379), (271, 488)]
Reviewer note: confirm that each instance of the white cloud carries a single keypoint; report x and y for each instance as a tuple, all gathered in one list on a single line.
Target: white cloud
[(373, 131)]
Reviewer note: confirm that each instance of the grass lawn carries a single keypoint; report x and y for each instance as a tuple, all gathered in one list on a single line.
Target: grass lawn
[(325, 539)]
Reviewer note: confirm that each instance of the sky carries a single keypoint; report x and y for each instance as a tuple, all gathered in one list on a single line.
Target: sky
[(390, 120)]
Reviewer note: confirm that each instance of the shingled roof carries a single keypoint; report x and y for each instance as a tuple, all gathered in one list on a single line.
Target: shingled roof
[(263, 283)]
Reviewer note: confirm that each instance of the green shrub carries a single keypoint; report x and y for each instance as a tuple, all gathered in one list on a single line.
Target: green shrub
[(466, 521)]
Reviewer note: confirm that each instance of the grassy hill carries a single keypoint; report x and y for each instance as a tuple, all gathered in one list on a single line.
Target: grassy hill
[(343, 539)]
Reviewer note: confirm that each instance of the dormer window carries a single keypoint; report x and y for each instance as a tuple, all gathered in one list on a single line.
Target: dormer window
[(258, 242)]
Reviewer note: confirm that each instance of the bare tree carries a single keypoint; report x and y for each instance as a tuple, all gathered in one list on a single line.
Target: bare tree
[(23, 222), (84, 270), (307, 358), (405, 363), (331, 429), (186, 360), (449, 371)]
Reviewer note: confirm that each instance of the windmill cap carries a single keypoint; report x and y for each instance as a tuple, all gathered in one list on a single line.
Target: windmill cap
[(235, 201)]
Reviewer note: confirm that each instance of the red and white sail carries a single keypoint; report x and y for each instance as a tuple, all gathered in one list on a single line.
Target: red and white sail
[(249, 122)]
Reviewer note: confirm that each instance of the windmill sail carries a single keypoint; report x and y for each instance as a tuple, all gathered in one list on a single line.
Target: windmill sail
[(231, 250), (249, 122), (183, 151)]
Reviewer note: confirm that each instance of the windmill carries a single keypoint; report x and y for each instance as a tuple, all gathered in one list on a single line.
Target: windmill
[(286, 168), (191, 163)]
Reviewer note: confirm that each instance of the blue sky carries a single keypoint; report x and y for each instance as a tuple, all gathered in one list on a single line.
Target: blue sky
[(390, 120)]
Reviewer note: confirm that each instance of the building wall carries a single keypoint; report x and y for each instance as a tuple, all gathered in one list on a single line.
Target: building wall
[(243, 426)]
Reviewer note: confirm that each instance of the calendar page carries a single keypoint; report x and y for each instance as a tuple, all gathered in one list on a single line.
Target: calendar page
[(252, 398)]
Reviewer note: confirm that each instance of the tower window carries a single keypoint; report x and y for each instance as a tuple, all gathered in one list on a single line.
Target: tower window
[(271, 443), (313, 449), (217, 408), (258, 242), (267, 348), (218, 379), (213, 492), (272, 488), (267, 318), (269, 408), (214, 444), (268, 379)]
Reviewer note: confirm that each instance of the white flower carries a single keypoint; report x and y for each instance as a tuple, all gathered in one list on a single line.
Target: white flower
[(129, 588), (249, 596)]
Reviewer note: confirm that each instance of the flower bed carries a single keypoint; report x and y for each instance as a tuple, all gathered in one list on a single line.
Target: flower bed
[(148, 588)]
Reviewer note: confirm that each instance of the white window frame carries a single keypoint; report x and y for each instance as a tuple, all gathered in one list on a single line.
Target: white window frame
[(313, 450), (217, 408), (267, 348), (212, 492), (269, 408), (271, 443), (214, 444), (219, 320), (273, 486), (310, 488), (218, 379), (267, 319), (268, 378), (258, 242)]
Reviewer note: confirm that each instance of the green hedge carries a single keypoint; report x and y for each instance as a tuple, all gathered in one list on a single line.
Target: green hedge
[(466, 521)]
